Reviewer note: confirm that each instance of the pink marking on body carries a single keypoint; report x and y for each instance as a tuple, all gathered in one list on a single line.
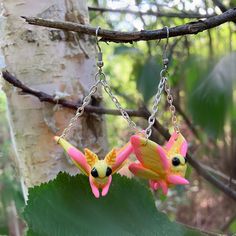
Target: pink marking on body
[(171, 141), (154, 185), (184, 148), (136, 143), (79, 158), (163, 157), (123, 155), (135, 167), (105, 189), (163, 186), (151, 184), (94, 188), (176, 179)]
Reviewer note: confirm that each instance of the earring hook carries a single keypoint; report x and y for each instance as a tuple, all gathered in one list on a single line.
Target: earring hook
[(165, 57), (97, 41)]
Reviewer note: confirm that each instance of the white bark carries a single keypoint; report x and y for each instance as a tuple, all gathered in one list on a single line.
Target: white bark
[(54, 62)]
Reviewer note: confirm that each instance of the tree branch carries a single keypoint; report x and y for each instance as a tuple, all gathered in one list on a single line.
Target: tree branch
[(186, 119), (141, 113), (183, 15), (221, 6), (144, 35), (44, 97)]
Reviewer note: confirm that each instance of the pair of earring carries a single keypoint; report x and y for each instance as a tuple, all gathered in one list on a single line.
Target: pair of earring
[(162, 166)]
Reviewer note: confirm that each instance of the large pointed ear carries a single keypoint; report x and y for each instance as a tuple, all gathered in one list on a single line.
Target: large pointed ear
[(91, 157), (76, 155), (111, 157), (184, 148), (177, 144)]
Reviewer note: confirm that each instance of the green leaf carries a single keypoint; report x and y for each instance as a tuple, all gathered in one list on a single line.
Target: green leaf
[(232, 227), (211, 100), (149, 78), (66, 206)]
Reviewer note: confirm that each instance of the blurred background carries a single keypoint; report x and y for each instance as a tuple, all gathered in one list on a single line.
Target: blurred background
[(202, 75)]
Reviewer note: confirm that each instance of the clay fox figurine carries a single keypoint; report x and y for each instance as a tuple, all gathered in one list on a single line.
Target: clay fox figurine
[(98, 171)]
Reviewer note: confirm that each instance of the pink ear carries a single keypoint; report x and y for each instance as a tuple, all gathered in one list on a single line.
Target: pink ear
[(105, 189), (164, 187), (184, 148), (93, 187), (171, 141), (176, 179)]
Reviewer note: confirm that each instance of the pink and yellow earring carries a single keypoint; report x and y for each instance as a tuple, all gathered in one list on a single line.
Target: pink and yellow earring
[(165, 166), (99, 172)]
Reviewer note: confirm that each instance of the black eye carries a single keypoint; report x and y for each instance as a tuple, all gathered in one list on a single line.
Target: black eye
[(109, 171), (175, 161), (94, 172)]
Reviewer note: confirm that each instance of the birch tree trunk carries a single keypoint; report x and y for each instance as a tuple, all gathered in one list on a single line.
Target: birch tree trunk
[(55, 62)]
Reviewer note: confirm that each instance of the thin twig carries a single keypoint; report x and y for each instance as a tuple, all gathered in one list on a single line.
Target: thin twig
[(141, 113), (183, 15), (219, 4), (186, 119), (205, 232), (144, 35), (220, 174)]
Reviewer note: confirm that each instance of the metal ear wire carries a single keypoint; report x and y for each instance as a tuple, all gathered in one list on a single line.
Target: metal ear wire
[(97, 41), (165, 57), (100, 61)]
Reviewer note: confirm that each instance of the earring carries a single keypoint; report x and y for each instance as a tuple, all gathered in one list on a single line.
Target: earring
[(162, 166), (98, 171)]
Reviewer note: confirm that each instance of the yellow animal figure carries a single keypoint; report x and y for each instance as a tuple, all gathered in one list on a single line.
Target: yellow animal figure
[(162, 166), (99, 171)]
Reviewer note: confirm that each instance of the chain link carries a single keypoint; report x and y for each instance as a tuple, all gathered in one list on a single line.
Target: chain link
[(163, 84), (80, 110), (170, 100), (157, 99), (123, 112)]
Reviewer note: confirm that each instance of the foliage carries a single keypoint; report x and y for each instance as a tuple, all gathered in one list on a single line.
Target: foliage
[(213, 96), (66, 206), (148, 78)]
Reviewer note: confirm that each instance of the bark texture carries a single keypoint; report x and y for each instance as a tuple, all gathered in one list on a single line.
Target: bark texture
[(55, 62)]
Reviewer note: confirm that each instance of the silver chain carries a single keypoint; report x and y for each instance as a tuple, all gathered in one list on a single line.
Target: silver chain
[(100, 77), (163, 84), (170, 100), (80, 110), (123, 112), (157, 99)]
